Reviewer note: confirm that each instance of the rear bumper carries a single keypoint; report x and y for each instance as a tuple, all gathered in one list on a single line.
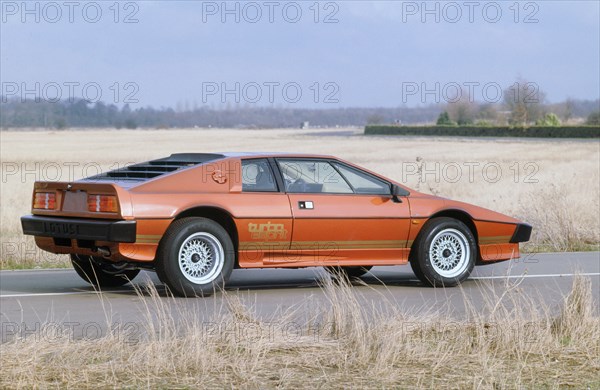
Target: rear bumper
[(81, 229), (522, 233)]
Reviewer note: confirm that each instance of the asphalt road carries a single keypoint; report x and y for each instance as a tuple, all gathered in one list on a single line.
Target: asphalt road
[(30, 299)]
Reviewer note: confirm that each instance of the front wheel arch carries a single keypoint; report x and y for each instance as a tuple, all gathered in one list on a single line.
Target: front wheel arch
[(459, 215)]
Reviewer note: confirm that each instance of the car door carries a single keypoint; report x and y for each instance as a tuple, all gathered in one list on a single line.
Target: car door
[(342, 215), (264, 220)]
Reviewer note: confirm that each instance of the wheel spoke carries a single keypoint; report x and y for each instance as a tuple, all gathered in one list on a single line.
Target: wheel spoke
[(201, 258), (449, 253)]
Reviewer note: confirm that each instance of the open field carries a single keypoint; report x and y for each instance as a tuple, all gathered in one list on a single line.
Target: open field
[(554, 185)]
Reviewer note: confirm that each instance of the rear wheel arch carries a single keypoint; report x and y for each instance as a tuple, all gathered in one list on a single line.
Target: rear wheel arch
[(220, 216)]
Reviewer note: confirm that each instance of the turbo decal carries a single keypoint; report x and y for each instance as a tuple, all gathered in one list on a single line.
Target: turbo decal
[(267, 231)]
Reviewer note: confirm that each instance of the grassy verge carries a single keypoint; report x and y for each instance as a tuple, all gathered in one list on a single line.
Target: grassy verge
[(12, 263), (20, 252), (550, 247), (347, 342)]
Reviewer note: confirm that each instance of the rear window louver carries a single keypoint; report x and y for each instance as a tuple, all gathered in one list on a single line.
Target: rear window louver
[(154, 168)]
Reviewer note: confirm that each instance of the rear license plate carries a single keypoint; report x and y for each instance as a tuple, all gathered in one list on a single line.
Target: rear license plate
[(61, 228)]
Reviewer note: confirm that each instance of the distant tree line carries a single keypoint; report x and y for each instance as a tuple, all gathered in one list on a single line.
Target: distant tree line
[(15, 113), (80, 113), (522, 106)]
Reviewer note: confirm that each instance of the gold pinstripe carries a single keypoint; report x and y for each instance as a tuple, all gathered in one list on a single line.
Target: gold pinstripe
[(147, 238), (300, 245), (494, 240)]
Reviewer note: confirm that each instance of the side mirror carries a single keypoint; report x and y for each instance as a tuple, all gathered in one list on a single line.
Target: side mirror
[(398, 191)]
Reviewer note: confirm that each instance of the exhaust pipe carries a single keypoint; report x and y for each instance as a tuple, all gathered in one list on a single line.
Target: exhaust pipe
[(104, 251)]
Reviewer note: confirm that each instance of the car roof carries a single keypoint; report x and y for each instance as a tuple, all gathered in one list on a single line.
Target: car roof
[(144, 171), (273, 154)]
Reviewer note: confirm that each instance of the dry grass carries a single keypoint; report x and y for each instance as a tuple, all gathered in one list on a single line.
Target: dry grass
[(555, 185), (513, 342)]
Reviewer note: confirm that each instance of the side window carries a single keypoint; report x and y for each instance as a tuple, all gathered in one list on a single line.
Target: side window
[(311, 176), (362, 182), (257, 176)]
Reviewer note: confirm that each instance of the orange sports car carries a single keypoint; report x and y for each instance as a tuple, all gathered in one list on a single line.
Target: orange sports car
[(195, 217)]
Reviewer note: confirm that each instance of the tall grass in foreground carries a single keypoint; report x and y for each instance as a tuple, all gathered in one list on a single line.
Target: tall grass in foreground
[(344, 342)]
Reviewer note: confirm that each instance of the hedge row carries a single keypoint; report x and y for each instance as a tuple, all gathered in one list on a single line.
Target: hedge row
[(488, 131)]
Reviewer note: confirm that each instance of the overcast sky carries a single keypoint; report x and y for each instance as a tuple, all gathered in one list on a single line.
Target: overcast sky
[(338, 54)]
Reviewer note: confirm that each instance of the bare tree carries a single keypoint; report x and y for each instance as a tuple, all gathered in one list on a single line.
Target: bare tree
[(375, 119), (487, 112), (524, 100), (568, 109), (463, 111)]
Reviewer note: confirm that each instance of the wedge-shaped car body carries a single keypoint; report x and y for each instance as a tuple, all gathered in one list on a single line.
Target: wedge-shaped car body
[(194, 217)]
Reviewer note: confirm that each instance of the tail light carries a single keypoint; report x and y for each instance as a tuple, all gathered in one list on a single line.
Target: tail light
[(44, 200), (102, 203)]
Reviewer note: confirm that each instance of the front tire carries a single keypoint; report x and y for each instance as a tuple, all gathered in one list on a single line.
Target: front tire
[(100, 273), (195, 258), (445, 253)]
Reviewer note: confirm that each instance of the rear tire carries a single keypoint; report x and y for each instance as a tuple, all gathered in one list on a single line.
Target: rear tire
[(348, 272), (195, 258), (445, 253), (100, 273)]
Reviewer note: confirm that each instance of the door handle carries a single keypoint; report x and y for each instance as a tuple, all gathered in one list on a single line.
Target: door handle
[(306, 205)]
